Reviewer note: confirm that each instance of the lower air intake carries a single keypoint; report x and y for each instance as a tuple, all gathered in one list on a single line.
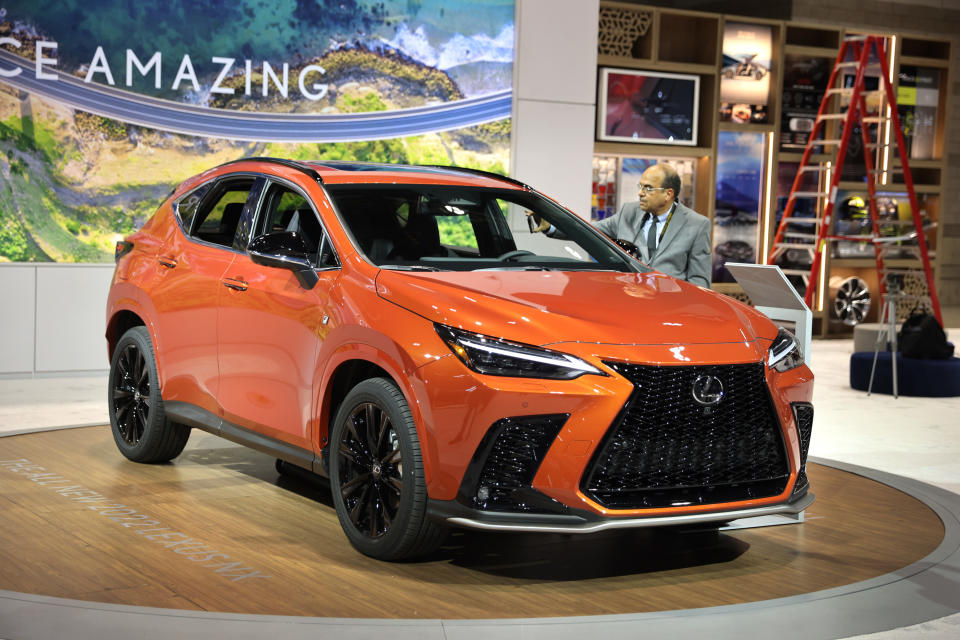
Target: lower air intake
[(506, 461), (803, 412)]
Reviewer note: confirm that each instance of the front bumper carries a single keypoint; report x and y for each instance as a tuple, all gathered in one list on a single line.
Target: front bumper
[(456, 514), (551, 487)]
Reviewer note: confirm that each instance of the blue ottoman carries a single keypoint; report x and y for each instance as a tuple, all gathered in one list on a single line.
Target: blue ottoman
[(915, 377)]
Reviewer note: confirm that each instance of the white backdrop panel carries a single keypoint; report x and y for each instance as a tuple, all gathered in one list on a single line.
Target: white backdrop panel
[(17, 293), (557, 50), (71, 311), (554, 153)]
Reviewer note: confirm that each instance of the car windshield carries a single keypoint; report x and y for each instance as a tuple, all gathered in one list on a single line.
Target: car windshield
[(461, 228)]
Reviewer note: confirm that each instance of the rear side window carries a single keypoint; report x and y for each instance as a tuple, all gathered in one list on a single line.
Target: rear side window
[(186, 208), (219, 215)]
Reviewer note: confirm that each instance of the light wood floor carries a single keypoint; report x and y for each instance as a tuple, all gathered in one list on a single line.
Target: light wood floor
[(218, 498)]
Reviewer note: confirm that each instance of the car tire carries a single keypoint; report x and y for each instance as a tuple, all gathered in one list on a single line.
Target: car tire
[(376, 475), (140, 427)]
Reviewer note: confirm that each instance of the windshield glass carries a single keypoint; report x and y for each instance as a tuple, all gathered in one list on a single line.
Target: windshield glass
[(459, 228)]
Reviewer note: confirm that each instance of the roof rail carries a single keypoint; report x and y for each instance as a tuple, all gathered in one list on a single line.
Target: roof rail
[(480, 172), (293, 164)]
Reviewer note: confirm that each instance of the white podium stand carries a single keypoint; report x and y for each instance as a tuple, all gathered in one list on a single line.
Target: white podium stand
[(774, 296)]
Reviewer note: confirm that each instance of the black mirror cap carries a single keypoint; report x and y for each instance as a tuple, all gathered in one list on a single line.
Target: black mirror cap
[(284, 250), (283, 243)]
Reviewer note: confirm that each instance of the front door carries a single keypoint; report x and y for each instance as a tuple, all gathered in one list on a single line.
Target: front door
[(270, 327)]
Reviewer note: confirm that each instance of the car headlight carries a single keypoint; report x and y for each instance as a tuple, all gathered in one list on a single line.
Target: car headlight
[(497, 357), (785, 352)]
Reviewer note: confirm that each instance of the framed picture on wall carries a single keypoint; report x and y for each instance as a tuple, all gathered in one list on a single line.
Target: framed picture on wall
[(647, 106), (804, 82), (918, 95), (736, 220), (745, 73)]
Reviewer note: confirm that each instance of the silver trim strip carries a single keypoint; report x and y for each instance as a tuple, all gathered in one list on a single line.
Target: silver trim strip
[(630, 523)]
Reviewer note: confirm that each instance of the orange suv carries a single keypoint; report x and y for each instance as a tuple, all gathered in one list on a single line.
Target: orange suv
[(402, 331)]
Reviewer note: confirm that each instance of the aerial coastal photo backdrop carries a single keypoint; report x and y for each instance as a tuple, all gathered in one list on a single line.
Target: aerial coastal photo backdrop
[(105, 105)]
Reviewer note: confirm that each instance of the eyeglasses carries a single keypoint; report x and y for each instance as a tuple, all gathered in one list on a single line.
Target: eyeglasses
[(645, 188)]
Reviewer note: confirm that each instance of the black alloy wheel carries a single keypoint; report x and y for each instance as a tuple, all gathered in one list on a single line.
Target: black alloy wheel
[(371, 469), (376, 474), (138, 421), (131, 394)]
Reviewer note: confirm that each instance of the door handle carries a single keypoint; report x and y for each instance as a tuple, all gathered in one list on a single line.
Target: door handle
[(236, 284), (167, 261)]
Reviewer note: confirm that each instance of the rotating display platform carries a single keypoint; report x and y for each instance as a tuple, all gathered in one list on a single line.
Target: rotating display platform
[(219, 530)]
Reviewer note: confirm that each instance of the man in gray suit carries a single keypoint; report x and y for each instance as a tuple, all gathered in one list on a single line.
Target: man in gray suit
[(670, 237)]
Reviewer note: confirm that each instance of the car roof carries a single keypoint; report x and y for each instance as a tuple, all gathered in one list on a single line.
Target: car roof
[(350, 172)]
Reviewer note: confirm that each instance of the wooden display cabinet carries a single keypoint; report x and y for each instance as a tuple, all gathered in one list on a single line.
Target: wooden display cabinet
[(691, 42)]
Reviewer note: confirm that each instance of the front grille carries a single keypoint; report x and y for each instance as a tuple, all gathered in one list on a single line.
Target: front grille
[(505, 462), (803, 412), (666, 450)]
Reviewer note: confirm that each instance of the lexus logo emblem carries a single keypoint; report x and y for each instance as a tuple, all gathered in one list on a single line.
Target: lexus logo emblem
[(707, 390)]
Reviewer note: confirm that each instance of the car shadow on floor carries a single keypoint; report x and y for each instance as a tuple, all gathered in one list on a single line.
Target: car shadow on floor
[(556, 557), (532, 556)]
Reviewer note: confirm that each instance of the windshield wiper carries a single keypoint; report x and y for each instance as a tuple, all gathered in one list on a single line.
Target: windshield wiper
[(528, 267), (409, 267)]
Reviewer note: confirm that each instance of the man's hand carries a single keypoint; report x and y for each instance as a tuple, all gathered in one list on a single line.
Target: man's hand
[(536, 223)]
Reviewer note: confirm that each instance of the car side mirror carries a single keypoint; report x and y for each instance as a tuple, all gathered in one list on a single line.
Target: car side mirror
[(284, 250)]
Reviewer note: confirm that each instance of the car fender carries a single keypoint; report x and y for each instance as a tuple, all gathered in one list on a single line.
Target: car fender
[(128, 297), (371, 346)]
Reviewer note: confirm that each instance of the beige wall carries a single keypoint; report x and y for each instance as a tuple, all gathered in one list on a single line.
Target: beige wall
[(935, 18), (555, 71)]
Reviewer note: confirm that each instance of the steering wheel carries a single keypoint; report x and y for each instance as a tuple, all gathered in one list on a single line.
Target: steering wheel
[(516, 253), (630, 248)]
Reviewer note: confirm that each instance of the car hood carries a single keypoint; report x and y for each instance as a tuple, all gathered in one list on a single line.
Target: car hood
[(546, 307)]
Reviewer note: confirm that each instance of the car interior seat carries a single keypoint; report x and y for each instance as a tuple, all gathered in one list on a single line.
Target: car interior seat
[(227, 227), (421, 237)]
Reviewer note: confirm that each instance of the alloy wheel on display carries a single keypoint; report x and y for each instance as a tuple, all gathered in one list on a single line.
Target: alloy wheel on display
[(370, 470), (852, 302), (131, 394)]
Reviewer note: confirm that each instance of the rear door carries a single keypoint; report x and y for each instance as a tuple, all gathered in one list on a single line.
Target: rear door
[(190, 281)]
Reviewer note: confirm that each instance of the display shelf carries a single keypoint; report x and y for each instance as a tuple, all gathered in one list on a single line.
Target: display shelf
[(893, 187), (813, 52), (707, 116), (746, 126), (925, 62), (692, 42), (649, 65), (626, 63), (926, 48), (694, 38), (922, 163), (918, 188), (921, 175), (632, 149), (790, 156), (870, 263), (812, 37)]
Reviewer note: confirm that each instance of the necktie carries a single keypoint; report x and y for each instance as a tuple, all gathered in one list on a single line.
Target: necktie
[(652, 236)]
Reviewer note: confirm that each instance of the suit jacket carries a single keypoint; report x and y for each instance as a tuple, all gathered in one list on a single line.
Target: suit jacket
[(684, 251)]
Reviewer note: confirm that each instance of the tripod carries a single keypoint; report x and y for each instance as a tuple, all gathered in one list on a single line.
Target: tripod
[(888, 318)]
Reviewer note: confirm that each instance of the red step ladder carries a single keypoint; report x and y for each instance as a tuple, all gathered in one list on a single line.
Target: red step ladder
[(796, 232)]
